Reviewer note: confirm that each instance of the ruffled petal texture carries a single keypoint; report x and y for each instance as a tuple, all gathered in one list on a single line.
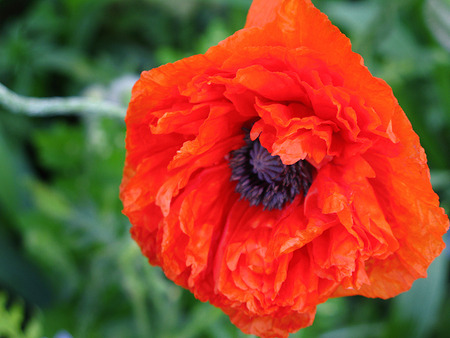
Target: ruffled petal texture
[(370, 223)]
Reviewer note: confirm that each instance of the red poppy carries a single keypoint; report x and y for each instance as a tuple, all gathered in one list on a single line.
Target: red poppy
[(274, 172)]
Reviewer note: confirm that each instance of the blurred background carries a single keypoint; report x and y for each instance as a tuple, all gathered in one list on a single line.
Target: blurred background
[(68, 267)]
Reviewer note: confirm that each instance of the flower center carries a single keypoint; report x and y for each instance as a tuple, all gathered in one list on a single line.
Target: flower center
[(264, 179)]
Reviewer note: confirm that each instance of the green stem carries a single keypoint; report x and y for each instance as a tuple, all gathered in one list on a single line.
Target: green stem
[(57, 105)]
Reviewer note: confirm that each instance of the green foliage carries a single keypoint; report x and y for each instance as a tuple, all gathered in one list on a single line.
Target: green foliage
[(65, 246), (12, 320)]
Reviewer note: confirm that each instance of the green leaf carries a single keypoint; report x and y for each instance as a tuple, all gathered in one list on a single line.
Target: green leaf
[(12, 319), (9, 193), (363, 330), (60, 148), (418, 309), (49, 201), (19, 274), (355, 17), (437, 14)]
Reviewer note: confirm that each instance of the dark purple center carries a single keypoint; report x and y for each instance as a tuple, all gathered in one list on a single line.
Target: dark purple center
[(264, 179)]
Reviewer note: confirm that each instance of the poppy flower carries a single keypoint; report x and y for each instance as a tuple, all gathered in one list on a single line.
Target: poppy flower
[(274, 172)]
